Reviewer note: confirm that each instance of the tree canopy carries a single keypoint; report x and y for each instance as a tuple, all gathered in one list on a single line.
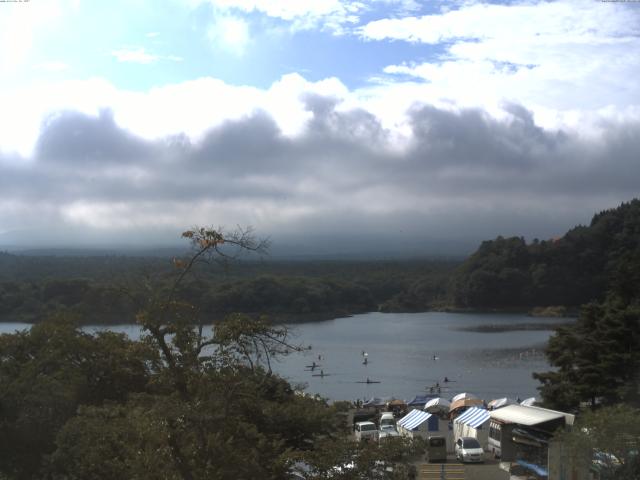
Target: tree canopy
[(184, 402), (574, 269)]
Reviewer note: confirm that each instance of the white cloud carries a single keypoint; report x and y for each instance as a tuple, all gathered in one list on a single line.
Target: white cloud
[(330, 15), (140, 55), (190, 107), (563, 55), (134, 55)]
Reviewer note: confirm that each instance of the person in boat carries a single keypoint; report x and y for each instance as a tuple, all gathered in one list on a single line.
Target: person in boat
[(366, 360), (446, 379), (368, 381), (322, 373)]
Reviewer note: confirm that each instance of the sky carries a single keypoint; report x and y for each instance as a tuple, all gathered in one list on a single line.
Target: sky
[(331, 125)]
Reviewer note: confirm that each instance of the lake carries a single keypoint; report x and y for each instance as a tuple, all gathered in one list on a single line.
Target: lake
[(400, 350)]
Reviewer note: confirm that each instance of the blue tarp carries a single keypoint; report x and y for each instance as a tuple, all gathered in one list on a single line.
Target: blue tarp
[(537, 469), (474, 417)]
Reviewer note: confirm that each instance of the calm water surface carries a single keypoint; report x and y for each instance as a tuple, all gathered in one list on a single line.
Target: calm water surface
[(400, 349)]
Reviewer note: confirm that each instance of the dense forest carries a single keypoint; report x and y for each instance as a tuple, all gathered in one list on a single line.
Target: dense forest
[(109, 289), (572, 270)]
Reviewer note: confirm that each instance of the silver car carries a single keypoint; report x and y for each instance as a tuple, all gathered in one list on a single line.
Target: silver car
[(468, 449)]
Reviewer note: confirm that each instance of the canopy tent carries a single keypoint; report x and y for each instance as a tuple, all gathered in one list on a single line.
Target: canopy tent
[(438, 401), (465, 402), (473, 423), (529, 402), (437, 404), (474, 417), (501, 402), (418, 423), (420, 400), (396, 402), (463, 395), (413, 419)]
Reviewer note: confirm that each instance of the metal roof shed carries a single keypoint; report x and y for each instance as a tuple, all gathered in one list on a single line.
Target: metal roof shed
[(535, 417), (516, 428)]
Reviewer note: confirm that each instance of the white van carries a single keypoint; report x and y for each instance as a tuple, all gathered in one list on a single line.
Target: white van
[(365, 431), (387, 421), (387, 426)]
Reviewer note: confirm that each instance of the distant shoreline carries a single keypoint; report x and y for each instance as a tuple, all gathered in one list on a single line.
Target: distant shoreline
[(295, 318), (494, 328)]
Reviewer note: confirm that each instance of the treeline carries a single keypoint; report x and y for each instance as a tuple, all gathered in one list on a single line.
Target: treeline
[(505, 273), (111, 289), (572, 270)]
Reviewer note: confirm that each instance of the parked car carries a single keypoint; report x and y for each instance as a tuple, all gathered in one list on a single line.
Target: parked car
[(387, 427), (366, 431), (468, 449), (387, 420)]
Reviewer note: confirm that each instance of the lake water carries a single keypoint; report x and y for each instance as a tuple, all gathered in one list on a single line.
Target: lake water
[(400, 351)]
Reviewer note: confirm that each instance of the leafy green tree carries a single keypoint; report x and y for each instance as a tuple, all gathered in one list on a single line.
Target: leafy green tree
[(214, 409), (607, 440), (46, 373), (596, 360), (184, 402), (572, 270), (343, 459)]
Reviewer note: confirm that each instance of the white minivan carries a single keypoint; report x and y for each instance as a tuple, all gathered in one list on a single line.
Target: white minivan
[(365, 431)]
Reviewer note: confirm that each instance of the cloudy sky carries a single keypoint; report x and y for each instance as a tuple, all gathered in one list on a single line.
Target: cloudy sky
[(334, 123)]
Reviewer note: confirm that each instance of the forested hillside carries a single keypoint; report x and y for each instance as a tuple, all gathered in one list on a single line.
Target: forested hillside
[(109, 289), (574, 269)]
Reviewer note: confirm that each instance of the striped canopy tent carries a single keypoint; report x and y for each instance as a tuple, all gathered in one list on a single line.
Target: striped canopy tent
[(474, 417), (473, 423), (413, 419), (501, 402), (437, 405)]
